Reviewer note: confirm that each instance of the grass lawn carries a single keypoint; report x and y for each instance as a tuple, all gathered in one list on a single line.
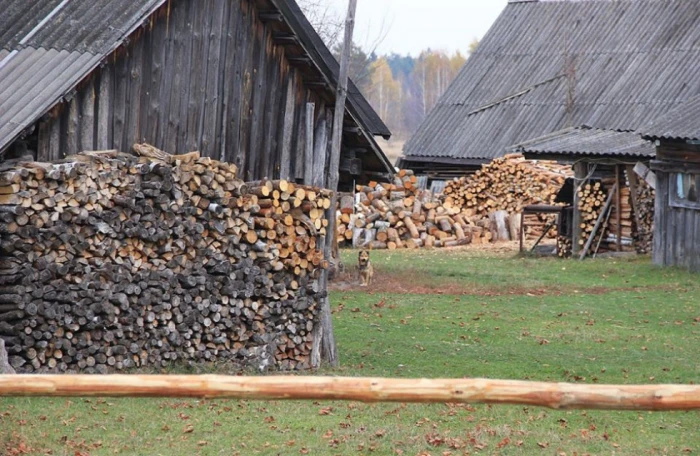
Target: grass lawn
[(435, 314)]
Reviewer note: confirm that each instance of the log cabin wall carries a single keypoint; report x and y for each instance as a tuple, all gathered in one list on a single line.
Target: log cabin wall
[(205, 75), (676, 228)]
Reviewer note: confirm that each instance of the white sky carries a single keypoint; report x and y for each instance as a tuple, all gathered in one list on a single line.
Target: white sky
[(409, 26)]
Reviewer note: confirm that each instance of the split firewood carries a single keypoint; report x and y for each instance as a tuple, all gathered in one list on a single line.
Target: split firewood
[(110, 261), (399, 215)]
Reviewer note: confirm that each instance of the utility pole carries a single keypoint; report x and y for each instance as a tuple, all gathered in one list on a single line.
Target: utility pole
[(324, 338)]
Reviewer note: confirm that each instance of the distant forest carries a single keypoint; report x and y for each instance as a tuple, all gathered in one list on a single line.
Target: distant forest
[(401, 88)]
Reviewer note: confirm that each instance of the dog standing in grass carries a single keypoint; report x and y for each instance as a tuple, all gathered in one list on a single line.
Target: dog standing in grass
[(365, 269)]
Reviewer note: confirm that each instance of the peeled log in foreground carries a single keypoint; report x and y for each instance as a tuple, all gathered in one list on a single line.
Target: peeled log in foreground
[(552, 395)]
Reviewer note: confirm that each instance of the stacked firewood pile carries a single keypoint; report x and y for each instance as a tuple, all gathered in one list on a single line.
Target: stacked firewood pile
[(398, 215), (109, 261), (509, 183), (564, 246), (625, 218), (644, 233), (591, 202)]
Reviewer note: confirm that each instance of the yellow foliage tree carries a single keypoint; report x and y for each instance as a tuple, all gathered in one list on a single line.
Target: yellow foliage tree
[(385, 93)]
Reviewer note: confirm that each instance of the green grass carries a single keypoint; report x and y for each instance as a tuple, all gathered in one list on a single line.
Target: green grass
[(457, 314)]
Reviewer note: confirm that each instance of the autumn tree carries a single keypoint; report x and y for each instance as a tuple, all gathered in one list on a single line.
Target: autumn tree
[(385, 93), (434, 72)]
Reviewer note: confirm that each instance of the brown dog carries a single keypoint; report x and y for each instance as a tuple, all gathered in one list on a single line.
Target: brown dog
[(365, 269)]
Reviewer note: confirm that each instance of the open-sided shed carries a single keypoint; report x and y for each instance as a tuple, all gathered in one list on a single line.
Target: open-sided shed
[(608, 157)]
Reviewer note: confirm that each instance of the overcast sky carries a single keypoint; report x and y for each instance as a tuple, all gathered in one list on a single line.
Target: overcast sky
[(409, 26)]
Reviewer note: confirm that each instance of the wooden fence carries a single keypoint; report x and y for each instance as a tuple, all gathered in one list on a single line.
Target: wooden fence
[(551, 395)]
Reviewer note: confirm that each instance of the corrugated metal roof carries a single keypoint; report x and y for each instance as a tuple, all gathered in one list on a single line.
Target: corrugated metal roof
[(49, 46), (633, 60), (682, 123), (76, 25), (589, 141)]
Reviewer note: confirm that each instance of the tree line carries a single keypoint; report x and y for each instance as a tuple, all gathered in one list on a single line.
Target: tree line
[(401, 88)]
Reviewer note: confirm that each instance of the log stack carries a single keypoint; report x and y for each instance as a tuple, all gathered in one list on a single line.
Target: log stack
[(624, 217), (398, 215), (509, 183), (591, 202), (110, 261), (644, 226)]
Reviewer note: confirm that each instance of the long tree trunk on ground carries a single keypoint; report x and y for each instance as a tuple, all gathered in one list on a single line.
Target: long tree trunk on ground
[(324, 331)]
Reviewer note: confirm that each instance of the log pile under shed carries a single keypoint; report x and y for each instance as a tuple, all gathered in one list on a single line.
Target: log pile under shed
[(509, 183), (605, 215), (110, 261), (475, 209)]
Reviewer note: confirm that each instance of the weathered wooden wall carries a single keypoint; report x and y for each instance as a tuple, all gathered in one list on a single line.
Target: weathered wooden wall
[(676, 229), (204, 75)]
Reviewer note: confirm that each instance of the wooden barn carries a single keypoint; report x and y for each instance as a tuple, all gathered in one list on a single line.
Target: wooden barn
[(244, 81), (547, 65), (677, 169), (607, 158)]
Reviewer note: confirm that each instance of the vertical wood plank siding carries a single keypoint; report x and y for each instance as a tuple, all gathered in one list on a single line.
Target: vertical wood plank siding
[(676, 230), (202, 75)]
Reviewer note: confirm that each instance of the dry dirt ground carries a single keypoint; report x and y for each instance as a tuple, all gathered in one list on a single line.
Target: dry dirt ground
[(413, 281), (416, 281)]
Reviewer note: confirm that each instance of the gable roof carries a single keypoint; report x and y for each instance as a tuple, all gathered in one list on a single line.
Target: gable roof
[(329, 66), (586, 141), (625, 62), (48, 46), (682, 123)]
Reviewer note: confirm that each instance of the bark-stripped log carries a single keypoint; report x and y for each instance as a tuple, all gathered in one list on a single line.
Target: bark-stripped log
[(560, 396)]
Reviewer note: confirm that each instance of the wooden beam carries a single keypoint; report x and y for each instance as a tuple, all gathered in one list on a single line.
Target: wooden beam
[(316, 85), (560, 396), (299, 61), (270, 16), (284, 38)]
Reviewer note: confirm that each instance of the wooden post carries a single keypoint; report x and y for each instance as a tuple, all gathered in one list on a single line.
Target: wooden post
[(580, 173), (42, 153), (309, 145), (327, 345), (522, 232), (558, 396), (86, 137), (104, 104), (618, 207), (632, 177), (320, 151), (288, 126)]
